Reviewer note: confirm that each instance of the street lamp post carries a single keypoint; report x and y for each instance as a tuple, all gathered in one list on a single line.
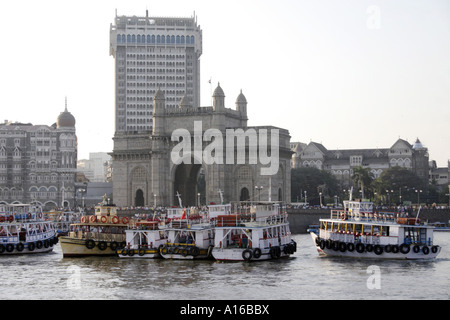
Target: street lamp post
[(259, 192), (418, 197)]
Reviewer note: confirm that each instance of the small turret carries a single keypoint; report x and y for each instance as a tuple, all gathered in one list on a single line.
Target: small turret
[(241, 104), (218, 99)]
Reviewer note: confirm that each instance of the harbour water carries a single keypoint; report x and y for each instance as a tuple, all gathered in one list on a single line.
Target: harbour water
[(304, 276)]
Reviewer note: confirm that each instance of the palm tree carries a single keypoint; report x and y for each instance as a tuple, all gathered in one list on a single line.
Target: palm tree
[(362, 177)]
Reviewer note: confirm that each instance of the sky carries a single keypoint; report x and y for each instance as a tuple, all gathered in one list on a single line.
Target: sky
[(347, 74)]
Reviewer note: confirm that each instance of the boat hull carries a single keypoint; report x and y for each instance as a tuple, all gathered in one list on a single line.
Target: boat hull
[(147, 253), (410, 255), (27, 249), (185, 252), (240, 254), (72, 247)]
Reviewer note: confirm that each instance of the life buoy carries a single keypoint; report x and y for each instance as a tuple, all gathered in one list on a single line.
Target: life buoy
[(378, 249), (125, 220), (247, 254), (257, 253), (28, 216), (103, 219), (195, 251), (115, 219), (102, 245), (322, 244), (114, 245), (40, 215), (90, 244), (350, 246), (404, 248), (84, 219), (31, 246), (92, 219), (360, 247), (343, 216), (19, 246)]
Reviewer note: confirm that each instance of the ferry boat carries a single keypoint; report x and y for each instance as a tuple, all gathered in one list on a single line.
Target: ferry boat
[(358, 231), (23, 230), (189, 237), (253, 232), (100, 234), (144, 240)]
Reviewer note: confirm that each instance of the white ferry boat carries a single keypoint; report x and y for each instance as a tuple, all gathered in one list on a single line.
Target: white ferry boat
[(100, 234), (23, 230), (359, 232), (189, 237), (144, 240), (253, 232)]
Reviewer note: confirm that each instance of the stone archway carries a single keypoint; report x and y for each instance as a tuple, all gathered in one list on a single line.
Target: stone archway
[(139, 200), (186, 183), (245, 195)]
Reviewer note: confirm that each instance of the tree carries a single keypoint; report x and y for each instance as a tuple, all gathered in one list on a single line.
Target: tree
[(313, 181), (402, 182), (363, 177)]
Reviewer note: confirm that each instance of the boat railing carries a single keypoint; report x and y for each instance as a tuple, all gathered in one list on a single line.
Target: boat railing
[(97, 236), (379, 217), (247, 220)]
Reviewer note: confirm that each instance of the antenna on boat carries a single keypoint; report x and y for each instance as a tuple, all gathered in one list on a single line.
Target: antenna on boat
[(179, 199), (221, 196)]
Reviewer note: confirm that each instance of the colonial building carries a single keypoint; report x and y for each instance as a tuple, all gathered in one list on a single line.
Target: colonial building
[(146, 173), (342, 162), (38, 162)]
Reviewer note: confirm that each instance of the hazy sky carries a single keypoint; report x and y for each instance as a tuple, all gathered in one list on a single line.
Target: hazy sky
[(348, 74)]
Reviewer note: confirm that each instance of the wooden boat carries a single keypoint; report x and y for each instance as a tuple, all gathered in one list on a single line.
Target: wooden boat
[(100, 234)]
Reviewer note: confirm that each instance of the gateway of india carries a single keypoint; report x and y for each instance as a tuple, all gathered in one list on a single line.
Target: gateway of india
[(151, 73)]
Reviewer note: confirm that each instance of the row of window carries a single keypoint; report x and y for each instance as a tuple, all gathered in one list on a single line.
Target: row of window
[(152, 39)]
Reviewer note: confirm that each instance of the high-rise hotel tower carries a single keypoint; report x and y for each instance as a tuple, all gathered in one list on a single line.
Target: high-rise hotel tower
[(153, 53)]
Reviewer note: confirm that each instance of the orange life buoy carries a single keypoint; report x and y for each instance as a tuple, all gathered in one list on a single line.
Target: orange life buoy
[(103, 219), (83, 219), (125, 220), (343, 216), (115, 220), (92, 218)]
